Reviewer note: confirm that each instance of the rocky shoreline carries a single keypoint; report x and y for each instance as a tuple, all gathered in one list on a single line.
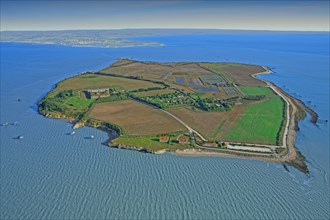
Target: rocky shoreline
[(298, 111)]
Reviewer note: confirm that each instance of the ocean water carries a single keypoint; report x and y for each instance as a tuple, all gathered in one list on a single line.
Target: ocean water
[(51, 175)]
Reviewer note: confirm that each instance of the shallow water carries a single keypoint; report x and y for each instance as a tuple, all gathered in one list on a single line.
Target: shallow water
[(214, 90), (49, 174), (179, 80)]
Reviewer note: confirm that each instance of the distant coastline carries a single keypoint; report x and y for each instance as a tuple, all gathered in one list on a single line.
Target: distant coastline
[(117, 38)]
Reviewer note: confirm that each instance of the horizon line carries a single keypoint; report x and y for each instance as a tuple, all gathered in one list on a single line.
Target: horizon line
[(153, 28)]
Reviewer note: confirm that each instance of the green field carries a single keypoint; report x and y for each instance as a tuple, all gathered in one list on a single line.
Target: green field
[(67, 102), (154, 92), (78, 102), (197, 95), (255, 90), (259, 123), (149, 142)]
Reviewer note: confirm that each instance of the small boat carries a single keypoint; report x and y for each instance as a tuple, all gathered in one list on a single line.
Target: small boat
[(91, 137), (15, 123), (20, 137), (72, 133), (5, 124)]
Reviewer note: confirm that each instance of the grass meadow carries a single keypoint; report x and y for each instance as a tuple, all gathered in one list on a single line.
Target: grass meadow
[(259, 122), (255, 90)]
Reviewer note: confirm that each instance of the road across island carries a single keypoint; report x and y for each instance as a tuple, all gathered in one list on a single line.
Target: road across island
[(192, 131), (240, 146)]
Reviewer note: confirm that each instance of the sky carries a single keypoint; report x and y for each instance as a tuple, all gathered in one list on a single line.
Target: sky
[(304, 15)]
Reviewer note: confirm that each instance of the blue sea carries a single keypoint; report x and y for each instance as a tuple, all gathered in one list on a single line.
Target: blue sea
[(51, 175)]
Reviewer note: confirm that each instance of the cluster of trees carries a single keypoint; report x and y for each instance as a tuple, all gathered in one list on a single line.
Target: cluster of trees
[(55, 103), (51, 105), (65, 94), (96, 123), (180, 98), (150, 100), (209, 104), (254, 97), (114, 97), (280, 132), (148, 89)]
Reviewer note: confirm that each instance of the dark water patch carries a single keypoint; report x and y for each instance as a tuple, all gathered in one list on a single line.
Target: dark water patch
[(215, 90), (179, 80)]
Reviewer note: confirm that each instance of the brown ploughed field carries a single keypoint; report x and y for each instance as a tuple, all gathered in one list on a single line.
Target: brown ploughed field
[(239, 73), (90, 81), (151, 70), (212, 125), (136, 118)]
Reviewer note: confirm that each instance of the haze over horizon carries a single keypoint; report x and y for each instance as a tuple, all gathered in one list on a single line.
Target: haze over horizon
[(304, 15)]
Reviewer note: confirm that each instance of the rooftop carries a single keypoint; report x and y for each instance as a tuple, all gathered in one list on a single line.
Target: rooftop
[(183, 140)]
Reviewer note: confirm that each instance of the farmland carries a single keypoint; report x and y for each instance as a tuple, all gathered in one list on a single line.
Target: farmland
[(237, 73), (255, 90), (231, 91), (213, 79), (260, 122), (136, 118), (153, 70), (219, 101), (210, 124), (91, 81)]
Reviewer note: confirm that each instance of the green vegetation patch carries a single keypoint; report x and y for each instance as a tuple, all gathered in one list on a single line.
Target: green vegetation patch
[(149, 142), (178, 98), (67, 102), (154, 92), (78, 102), (260, 123), (113, 98), (255, 90), (197, 95)]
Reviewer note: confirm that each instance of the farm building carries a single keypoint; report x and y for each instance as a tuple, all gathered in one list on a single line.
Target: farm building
[(98, 93), (210, 144), (183, 140), (164, 139)]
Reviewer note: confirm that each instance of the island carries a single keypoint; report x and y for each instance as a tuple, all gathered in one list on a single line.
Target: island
[(186, 108)]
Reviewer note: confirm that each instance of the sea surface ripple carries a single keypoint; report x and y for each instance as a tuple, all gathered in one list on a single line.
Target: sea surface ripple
[(52, 175)]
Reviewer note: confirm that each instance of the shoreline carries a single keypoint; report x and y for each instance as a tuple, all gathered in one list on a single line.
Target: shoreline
[(291, 156)]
